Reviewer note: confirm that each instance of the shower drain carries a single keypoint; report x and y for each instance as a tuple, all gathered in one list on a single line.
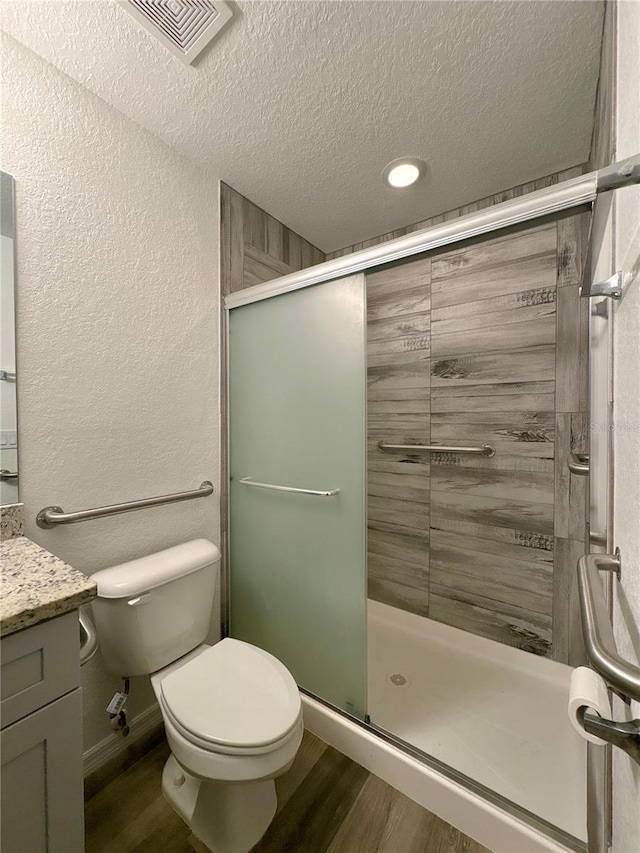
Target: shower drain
[(398, 679)]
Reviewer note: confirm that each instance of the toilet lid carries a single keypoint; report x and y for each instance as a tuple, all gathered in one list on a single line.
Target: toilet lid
[(233, 694)]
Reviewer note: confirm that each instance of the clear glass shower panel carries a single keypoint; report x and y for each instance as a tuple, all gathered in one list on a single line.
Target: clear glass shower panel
[(297, 392)]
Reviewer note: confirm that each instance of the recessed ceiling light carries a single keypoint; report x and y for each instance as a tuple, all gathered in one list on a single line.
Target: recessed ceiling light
[(403, 172)]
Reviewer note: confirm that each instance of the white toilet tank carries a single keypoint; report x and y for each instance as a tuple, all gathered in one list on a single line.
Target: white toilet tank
[(151, 611)]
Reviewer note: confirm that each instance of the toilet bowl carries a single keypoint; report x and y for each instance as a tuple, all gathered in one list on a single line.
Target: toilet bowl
[(232, 712), (220, 778), (226, 754)]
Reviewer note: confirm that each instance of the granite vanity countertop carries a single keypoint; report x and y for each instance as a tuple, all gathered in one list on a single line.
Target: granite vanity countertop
[(36, 586)]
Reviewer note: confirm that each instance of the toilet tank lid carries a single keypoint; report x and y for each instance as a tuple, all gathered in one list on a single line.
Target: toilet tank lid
[(137, 576)]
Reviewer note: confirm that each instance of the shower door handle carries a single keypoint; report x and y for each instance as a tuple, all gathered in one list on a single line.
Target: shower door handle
[(247, 481)]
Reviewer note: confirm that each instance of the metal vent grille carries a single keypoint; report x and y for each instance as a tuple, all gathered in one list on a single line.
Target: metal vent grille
[(185, 27)]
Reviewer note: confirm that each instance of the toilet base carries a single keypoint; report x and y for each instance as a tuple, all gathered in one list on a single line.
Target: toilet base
[(226, 817)]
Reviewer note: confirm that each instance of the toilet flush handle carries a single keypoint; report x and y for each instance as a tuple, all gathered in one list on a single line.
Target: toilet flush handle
[(139, 599)]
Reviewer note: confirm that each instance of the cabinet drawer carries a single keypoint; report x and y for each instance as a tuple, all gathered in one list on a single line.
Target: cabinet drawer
[(39, 664)]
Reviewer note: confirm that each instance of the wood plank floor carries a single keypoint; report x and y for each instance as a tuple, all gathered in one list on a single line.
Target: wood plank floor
[(326, 804)]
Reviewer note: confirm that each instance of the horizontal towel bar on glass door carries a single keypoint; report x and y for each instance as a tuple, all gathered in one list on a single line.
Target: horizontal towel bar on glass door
[(478, 449), (247, 481)]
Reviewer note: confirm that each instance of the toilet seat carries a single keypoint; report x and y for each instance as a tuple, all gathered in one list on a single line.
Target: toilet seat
[(233, 698), (218, 749)]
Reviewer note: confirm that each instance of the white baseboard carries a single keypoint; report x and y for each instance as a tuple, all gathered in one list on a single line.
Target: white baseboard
[(114, 743)]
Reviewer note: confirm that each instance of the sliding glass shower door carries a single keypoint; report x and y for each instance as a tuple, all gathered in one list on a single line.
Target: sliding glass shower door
[(297, 408)]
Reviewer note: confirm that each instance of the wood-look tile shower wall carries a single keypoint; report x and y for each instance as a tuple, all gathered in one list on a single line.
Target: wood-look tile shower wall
[(255, 247), (482, 344)]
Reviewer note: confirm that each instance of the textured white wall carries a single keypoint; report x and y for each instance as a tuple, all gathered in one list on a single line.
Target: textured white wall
[(626, 780), (117, 306)]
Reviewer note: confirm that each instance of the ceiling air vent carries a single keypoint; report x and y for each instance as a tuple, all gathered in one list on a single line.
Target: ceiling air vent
[(185, 27)]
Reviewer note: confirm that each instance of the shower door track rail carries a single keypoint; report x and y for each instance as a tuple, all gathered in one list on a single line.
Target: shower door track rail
[(577, 192)]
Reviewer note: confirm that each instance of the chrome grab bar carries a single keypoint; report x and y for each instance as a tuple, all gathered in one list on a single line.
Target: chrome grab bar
[(247, 481), (7, 376), (5, 474), (579, 464), (479, 449), (88, 638), (50, 516), (599, 641)]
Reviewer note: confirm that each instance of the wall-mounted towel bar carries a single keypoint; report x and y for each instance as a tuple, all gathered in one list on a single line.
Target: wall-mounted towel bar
[(247, 481), (7, 376), (478, 449), (51, 516), (599, 641)]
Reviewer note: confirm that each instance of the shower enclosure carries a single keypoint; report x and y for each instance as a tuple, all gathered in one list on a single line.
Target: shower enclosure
[(414, 566)]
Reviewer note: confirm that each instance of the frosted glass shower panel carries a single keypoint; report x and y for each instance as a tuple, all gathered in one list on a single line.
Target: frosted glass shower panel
[(297, 392)]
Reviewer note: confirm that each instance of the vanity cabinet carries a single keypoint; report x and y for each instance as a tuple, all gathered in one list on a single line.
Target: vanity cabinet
[(41, 739)]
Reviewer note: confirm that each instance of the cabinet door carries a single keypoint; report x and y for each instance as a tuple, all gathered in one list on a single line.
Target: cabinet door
[(42, 797)]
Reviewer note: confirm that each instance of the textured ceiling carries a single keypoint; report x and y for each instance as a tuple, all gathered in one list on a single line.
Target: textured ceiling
[(299, 105)]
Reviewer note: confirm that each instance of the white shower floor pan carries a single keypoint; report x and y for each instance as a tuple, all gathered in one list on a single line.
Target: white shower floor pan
[(494, 713), (507, 708)]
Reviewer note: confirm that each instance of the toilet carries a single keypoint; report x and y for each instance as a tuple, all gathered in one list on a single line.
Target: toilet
[(232, 712)]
